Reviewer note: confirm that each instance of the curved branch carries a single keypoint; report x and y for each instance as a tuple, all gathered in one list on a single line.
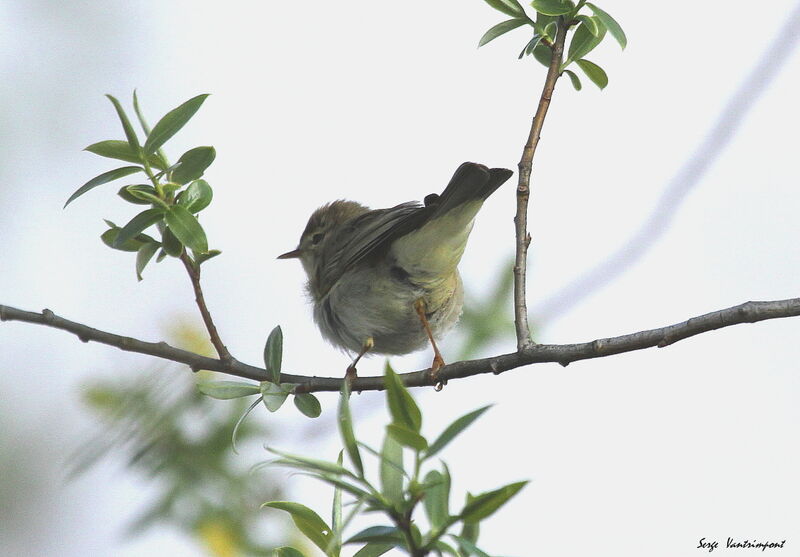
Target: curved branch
[(564, 354)]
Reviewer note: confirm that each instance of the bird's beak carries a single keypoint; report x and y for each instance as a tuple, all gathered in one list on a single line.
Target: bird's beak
[(294, 254)]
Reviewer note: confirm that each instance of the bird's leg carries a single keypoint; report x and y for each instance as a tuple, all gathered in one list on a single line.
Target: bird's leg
[(351, 372), (438, 361)]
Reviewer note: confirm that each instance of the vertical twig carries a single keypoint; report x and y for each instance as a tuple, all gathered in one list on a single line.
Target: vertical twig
[(194, 275), (523, 239)]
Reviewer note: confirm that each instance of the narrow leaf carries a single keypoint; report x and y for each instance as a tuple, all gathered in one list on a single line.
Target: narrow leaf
[(402, 407), (103, 178), (307, 521), (374, 549), (346, 430), (376, 534), (592, 24), (437, 497), (469, 547), (225, 390), (593, 72), (121, 150), (171, 123), (407, 437), (130, 133), (573, 77), (391, 470), (500, 29), (533, 43), (109, 238), (186, 228), (273, 355), (193, 164), (583, 42), (274, 396), (508, 7), (312, 464), (240, 421), (137, 224), (308, 405), (144, 255), (140, 194), (553, 7), (483, 505), (612, 25), (453, 430), (203, 257), (336, 509)]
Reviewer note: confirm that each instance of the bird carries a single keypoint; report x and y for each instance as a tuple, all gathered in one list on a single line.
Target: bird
[(386, 281)]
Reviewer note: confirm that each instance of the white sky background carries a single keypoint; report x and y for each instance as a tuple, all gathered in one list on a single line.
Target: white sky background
[(642, 453)]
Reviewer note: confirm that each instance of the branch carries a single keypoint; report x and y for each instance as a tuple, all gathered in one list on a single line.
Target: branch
[(523, 191), (194, 275), (564, 354)]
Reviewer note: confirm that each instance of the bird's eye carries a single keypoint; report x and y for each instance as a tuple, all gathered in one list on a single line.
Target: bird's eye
[(317, 238)]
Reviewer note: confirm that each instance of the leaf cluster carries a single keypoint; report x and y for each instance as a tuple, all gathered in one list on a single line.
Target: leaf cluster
[(588, 31), (400, 489), (175, 194)]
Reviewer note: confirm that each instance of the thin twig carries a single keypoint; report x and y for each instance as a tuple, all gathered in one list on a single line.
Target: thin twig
[(523, 191), (748, 312), (194, 275)]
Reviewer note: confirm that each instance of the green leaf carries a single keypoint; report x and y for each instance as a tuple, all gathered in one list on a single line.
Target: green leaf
[(543, 54), (226, 390), (583, 42), (109, 238), (160, 156), (593, 72), (592, 24), (307, 521), (402, 407), (382, 534), (121, 150), (336, 508), (311, 464), (374, 549), (138, 224), (500, 29), (611, 24), (161, 255), (172, 245), (240, 421), (103, 178), (273, 355), (196, 197), (130, 133), (391, 470), (508, 7), (528, 49), (407, 437), (576, 82), (139, 194), (286, 551), (308, 404), (553, 7), (193, 164), (186, 228), (144, 255), (201, 258), (346, 430), (454, 429), (437, 498), (274, 395), (469, 547), (485, 504), (171, 123)]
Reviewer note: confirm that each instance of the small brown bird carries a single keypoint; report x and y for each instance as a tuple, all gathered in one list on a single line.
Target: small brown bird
[(386, 280)]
